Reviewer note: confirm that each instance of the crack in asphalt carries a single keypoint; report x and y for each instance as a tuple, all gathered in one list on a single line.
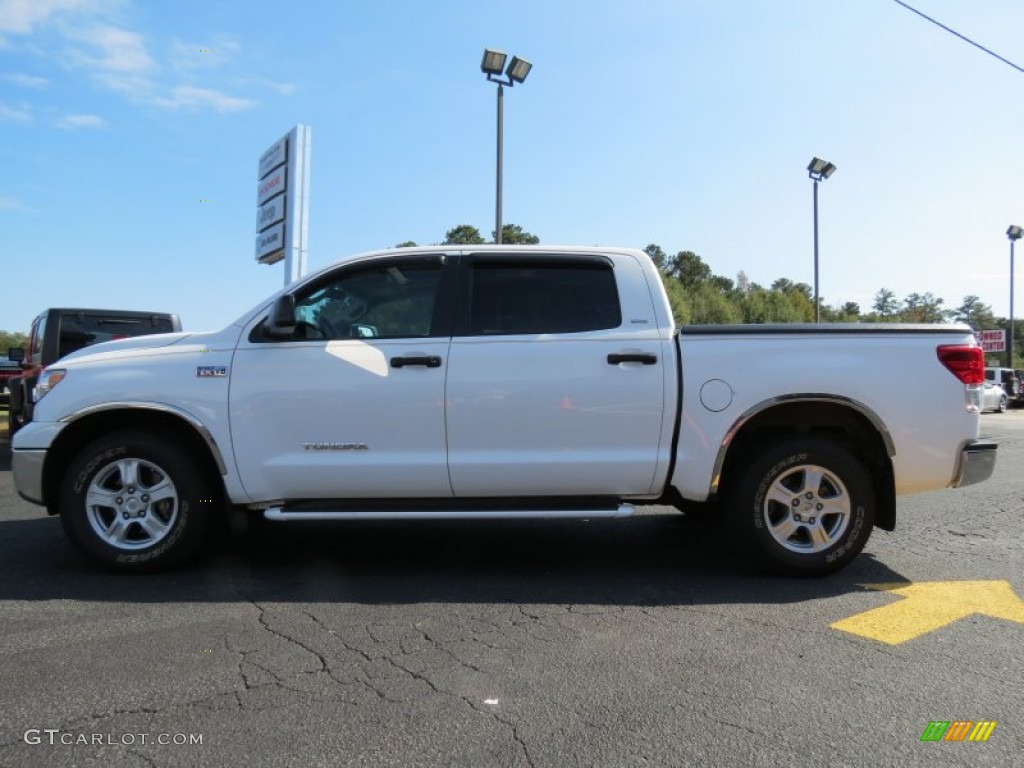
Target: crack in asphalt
[(447, 651), (384, 656), (751, 731), (520, 742), (325, 667), (146, 758)]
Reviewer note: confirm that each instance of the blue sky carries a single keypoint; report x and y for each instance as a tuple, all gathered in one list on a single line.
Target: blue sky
[(683, 123)]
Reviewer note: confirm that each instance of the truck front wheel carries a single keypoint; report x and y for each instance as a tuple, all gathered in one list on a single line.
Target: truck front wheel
[(803, 507), (129, 503)]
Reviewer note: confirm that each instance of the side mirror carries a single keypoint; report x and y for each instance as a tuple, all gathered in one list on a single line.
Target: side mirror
[(281, 322), (16, 354)]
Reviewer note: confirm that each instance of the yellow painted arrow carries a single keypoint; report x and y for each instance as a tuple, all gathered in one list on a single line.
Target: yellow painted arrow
[(932, 605)]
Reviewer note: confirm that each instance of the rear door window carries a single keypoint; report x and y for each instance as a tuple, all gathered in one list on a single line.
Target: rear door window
[(547, 295)]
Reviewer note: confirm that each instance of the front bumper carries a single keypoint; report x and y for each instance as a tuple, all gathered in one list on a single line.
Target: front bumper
[(28, 474), (977, 461)]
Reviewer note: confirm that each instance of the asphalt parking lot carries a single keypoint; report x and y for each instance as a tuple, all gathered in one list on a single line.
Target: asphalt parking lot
[(615, 643)]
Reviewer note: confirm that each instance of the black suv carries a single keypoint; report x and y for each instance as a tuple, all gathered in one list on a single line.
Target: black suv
[(59, 332)]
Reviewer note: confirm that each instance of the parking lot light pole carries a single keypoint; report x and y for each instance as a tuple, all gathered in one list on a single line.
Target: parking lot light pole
[(492, 65), (1014, 233), (819, 170)]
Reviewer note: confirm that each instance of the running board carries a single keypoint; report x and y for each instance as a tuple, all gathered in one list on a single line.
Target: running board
[(280, 513)]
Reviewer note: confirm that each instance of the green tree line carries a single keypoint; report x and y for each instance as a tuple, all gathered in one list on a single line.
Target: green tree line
[(699, 296), (467, 234), (10, 339)]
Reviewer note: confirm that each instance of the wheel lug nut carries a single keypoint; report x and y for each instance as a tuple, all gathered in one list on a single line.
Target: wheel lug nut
[(811, 521), (796, 502), (119, 500), (820, 507), (808, 495), (145, 497), (124, 515)]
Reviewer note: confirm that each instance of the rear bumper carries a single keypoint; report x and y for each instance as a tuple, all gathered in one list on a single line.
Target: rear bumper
[(977, 461)]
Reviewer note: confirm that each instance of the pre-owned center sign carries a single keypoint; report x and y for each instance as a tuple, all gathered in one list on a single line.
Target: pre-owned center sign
[(282, 202), (992, 341)]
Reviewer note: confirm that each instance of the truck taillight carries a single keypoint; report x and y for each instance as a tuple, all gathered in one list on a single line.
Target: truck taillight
[(964, 361)]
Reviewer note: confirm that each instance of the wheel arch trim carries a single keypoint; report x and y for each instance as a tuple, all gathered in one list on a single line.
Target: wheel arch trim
[(170, 410), (748, 415)]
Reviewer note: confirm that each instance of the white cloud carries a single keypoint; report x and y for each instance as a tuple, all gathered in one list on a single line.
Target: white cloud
[(28, 81), (191, 56), (119, 60), (82, 121), (21, 16), (138, 87), (284, 89), (14, 114), (114, 50), (12, 204), (190, 97)]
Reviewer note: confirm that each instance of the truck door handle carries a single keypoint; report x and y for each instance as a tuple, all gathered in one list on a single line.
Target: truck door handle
[(616, 358), (430, 361)]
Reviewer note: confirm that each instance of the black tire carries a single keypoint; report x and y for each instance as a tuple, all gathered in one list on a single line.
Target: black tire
[(142, 533), (830, 515)]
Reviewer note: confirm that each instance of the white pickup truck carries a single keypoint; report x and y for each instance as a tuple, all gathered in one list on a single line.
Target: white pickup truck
[(500, 382)]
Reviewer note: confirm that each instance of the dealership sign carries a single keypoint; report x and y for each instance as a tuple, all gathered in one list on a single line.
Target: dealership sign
[(282, 200), (270, 244), (992, 341), (272, 185)]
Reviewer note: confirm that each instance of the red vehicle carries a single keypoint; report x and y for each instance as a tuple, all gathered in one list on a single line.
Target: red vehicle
[(59, 332)]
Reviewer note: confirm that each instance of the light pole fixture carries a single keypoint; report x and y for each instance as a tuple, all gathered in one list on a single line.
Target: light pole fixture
[(492, 65), (819, 170), (1014, 232)]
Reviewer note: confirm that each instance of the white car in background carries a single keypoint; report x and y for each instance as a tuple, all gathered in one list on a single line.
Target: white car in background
[(993, 397)]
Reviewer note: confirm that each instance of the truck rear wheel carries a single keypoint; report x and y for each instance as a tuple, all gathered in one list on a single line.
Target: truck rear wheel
[(805, 506), (131, 504)]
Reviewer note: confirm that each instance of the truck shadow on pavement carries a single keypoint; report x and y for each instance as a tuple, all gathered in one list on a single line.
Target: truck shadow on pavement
[(650, 560)]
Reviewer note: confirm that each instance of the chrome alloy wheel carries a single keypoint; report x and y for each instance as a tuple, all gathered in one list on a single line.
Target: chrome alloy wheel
[(131, 504), (807, 509)]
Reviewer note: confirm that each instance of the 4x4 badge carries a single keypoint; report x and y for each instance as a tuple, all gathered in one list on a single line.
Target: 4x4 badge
[(211, 370)]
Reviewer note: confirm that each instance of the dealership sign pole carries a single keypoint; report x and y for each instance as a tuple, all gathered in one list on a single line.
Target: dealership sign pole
[(282, 203)]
